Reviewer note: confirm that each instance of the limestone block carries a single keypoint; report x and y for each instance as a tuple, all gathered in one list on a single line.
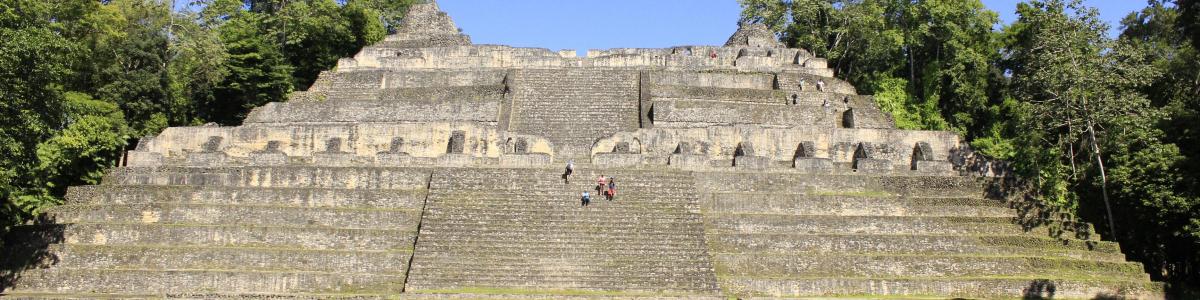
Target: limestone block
[(609, 160), (206, 158), (688, 161), (524, 159), (752, 162), (268, 159), (816, 63), (935, 167), (335, 159), (813, 165), (756, 64), (393, 159), (455, 160), (873, 165), (143, 159)]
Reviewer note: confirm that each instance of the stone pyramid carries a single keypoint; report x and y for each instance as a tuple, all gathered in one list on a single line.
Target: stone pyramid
[(426, 167)]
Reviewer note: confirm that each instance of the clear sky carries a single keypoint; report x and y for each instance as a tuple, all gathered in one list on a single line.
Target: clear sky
[(591, 24)]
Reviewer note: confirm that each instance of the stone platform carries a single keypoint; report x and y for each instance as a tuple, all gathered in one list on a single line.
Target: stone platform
[(427, 167)]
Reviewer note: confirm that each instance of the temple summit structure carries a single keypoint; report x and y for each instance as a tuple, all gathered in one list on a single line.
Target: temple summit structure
[(429, 167)]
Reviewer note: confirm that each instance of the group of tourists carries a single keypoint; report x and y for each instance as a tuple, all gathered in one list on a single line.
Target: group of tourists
[(605, 185)]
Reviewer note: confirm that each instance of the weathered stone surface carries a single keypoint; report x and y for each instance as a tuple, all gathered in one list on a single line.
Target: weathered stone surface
[(525, 160), (427, 167), (813, 165), (873, 165), (751, 162), (617, 160)]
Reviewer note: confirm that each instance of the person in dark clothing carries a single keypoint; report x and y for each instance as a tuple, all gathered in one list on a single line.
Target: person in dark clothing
[(570, 170), (612, 189)]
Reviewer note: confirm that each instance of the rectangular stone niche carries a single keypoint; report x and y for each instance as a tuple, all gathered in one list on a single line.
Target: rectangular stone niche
[(813, 164), (609, 160)]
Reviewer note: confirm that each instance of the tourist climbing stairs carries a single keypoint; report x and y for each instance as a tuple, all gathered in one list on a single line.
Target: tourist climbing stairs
[(498, 231)]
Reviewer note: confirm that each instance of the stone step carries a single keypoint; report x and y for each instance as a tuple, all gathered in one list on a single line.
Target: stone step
[(374, 178), (645, 200), (497, 294), (770, 223), (191, 296), (842, 185), (279, 197), (961, 287), (583, 251), (537, 235), (518, 216), (515, 228), (236, 215), (668, 261), (200, 281), (309, 238), (567, 204), (103, 257), (421, 282), (799, 204), (524, 294), (580, 170), (561, 269), (868, 266), (464, 187), (908, 244)]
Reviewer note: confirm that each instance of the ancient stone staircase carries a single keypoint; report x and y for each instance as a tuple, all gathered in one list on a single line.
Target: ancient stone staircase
[(571, 107), (227, 231), (794, 238), (525, 231)]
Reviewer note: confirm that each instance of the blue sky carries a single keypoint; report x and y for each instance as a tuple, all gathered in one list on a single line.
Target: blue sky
[(582, 25)]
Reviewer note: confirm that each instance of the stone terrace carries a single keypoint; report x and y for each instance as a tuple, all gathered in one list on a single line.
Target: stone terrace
[(427, 167)]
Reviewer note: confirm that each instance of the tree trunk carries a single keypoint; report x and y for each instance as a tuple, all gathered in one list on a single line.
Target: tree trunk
[(1112, 228)]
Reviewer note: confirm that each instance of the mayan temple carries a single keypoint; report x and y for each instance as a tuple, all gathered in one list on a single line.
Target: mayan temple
[(428, 167)]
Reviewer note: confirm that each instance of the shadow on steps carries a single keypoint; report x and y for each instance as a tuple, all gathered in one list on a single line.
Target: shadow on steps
[(27, 247)]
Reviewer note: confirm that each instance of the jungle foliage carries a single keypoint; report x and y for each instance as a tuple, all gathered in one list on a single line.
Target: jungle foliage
[(1094, 124)]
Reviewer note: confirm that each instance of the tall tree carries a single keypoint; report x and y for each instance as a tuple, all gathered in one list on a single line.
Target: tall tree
[(928, 62), (258, 72), (1160, 180)]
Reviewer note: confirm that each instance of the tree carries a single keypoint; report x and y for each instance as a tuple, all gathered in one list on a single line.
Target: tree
[(1076, 84), (35, 61), (258, 72), (1158, 177), (389, 13), (928, 62)]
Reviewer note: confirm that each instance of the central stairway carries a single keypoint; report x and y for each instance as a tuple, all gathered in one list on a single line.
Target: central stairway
[(572, 107), (495, 231)]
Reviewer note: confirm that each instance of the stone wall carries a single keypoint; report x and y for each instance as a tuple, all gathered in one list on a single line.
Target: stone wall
[(366, 140), (719, 143)]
